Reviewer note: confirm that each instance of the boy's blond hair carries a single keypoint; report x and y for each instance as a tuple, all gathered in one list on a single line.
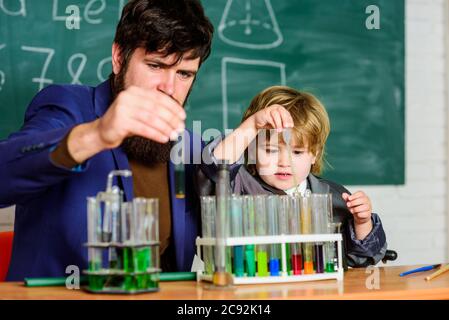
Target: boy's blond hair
[(311, 121)]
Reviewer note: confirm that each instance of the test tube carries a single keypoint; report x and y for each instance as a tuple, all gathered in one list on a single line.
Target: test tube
[(114, 203), (295, 228), (306, 228), (273, 230), (94, 234), (320, 207), (237, 231), (249, 230), (221, 274), (141, 255), (180, 170), (208, 212), (283, 212), (261, 230)]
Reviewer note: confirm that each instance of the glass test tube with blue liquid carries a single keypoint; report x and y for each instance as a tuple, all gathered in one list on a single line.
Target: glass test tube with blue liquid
[(273, 230), (249, 230), (283, 214)]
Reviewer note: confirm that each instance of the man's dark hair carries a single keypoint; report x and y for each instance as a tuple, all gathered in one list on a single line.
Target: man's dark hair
[(165, 26)]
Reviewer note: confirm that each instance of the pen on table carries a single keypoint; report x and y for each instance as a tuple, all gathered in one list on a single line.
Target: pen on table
[(422, 269), (440, 271), (61, 281)]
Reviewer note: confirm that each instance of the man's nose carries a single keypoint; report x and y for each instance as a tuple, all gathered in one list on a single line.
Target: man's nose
[(167, 83)]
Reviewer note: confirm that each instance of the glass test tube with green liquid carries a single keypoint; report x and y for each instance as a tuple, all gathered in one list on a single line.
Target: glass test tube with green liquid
[(249, 230), (95, 259), (283, 213), (261, 230), (237, 231)]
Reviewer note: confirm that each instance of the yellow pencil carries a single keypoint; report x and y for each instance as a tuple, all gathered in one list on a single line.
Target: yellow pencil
[(440, 271)]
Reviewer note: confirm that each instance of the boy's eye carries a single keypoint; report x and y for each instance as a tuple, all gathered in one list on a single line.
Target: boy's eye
[(298, 152), (271, 150)]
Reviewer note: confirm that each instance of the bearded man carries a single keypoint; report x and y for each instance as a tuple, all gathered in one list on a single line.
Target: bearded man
[(73, 136)]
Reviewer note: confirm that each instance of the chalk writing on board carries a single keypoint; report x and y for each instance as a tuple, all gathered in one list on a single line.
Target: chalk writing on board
[(100, 68), (13, 10), (232, 68), (76, 74), (42, 81), (91, 13), (2, 74), (250, 24)]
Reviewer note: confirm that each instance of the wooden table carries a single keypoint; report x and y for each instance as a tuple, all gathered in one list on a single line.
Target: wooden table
[(353, 287)]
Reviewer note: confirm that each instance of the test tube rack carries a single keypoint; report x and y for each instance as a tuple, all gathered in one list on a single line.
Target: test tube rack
[(283, 240), (132, 273), (123, 242)]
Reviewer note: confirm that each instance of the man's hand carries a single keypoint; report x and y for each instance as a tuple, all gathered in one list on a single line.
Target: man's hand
[(135, 112), (359, 205)]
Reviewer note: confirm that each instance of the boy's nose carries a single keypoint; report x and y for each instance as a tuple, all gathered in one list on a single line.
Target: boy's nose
[(284, 160), (167, 83)]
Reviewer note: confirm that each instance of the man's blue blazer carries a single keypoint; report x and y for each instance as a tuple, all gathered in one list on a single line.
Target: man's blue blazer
[(50, 222)]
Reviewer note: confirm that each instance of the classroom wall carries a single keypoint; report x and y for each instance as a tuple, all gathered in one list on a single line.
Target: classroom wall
[(414, 215)]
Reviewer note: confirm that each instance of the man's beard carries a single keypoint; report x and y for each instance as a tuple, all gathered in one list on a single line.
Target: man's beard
[(138, 148)]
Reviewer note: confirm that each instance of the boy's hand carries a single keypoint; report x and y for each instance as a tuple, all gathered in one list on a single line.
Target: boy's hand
[(359, 205), (275, 116)]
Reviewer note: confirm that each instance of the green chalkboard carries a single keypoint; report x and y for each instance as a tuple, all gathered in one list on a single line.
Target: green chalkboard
[(324, 47)]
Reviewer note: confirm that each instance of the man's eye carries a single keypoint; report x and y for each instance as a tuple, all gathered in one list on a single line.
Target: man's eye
[(154, 66), (185, 75)]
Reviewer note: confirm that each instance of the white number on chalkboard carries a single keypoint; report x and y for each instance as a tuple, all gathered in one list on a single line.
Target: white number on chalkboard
[(50, 52), (76, 75), (100, 68), (2, 74)]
